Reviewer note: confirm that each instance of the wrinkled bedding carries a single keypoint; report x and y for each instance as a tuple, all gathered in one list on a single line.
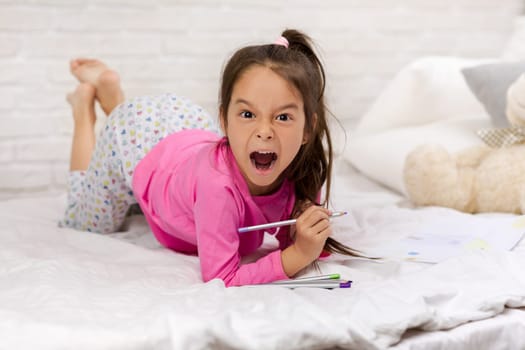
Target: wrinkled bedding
[(64, 289)]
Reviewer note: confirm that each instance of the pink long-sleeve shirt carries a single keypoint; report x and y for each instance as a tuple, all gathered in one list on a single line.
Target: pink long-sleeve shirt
[(194, 198)]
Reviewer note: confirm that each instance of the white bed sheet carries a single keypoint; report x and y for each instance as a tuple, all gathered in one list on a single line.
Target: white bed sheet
[(63, 289)]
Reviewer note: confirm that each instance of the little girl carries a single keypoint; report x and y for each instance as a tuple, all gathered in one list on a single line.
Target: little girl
[(197, 188)]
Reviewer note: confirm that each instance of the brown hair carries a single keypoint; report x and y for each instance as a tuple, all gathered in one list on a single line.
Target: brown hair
[(299, 65)]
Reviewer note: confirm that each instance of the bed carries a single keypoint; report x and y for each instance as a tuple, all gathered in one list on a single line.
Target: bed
[(64, 289)]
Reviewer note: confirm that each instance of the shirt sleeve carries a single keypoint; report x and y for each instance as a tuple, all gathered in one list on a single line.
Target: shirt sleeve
[(217, 217)]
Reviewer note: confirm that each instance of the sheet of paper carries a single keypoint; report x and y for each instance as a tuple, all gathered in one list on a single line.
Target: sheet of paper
[(438, 239)]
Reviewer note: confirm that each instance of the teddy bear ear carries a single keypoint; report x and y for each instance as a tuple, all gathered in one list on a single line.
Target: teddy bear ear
[(515, 110)]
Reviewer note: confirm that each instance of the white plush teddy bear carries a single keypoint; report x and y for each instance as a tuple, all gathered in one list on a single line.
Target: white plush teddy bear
[(479, 179)]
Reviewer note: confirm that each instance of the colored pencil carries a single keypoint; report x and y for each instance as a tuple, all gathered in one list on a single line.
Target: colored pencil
[(335, 214), (333, 276), (318, 284)]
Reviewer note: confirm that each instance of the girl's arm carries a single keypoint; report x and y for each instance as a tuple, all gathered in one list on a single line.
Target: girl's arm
[(217, 217), (312, 229)]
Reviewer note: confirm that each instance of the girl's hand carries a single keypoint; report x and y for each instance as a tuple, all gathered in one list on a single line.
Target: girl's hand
[(311, 231)]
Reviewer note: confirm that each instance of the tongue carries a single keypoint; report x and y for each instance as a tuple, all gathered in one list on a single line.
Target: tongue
[(263, 158)]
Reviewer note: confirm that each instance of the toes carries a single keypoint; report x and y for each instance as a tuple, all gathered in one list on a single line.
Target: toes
[(83, 60), (73, 65)]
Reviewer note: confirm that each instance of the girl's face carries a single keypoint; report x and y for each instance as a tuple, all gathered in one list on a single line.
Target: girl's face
[(265, 127)]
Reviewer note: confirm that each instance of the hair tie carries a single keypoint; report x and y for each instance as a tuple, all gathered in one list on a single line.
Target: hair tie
[(281, 41)]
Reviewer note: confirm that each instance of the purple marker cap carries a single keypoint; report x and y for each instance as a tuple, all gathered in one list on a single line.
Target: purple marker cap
[(346, 284)]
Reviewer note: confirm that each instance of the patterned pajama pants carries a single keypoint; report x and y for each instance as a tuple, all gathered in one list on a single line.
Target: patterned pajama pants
[(99, 198)]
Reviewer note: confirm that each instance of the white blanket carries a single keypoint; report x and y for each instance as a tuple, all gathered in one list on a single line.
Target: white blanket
[(63, 289)]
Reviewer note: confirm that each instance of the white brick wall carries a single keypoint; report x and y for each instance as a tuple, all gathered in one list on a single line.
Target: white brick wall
[(181, 45)]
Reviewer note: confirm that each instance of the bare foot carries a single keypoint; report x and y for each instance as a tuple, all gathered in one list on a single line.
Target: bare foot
[(106, 81), (82, 102)]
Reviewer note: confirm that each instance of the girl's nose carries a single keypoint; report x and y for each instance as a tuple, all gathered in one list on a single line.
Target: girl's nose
[(265, 131)]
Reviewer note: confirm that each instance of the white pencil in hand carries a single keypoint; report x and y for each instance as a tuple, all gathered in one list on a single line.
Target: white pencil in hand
[(335, 214)]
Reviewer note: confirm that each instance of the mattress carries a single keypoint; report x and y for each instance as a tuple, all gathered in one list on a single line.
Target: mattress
[(63, 289)]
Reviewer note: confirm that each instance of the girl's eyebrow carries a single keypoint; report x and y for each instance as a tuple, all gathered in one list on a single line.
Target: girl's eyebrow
[(291, 105)]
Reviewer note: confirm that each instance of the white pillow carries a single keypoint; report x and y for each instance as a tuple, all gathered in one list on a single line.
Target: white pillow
[(381, 156), (515, 48), (427, 102)]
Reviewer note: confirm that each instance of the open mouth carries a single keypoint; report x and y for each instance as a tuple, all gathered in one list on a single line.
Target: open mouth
[(263, 160)]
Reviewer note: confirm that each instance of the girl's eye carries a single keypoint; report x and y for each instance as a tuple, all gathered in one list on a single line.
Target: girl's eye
[(283, 117), (247, 114)]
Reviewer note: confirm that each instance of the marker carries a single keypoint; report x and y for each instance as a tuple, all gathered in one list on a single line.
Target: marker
[(319, 284), (333, 276), (335, 214)]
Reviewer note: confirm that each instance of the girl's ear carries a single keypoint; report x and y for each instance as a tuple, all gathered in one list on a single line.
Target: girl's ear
[(222, 119), (307, 134)]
